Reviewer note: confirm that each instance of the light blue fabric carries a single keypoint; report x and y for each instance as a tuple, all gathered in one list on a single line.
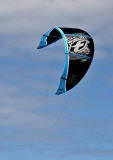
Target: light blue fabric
[(62, 85), (43, 43)]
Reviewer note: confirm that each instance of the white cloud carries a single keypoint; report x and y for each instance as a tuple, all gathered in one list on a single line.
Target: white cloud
[(32, 16), (26, 21)]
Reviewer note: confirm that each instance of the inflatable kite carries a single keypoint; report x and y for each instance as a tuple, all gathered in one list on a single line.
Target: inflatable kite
[(79, 50)]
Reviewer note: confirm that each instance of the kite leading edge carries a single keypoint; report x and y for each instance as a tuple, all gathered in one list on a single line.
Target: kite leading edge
[(79, 51)]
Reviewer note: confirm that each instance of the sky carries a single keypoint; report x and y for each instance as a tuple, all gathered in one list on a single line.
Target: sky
[(34, 122)]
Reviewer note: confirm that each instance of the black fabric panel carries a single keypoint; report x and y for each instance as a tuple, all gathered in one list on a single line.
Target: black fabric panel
[(73, 30), (78, 67), (77, 70), (53, 36), (91, 46)]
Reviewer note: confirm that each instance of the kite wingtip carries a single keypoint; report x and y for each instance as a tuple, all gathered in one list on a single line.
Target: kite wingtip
[(60, 91), (39, 46)]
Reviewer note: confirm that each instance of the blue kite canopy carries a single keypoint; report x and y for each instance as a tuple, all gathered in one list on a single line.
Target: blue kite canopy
[(79, 51)]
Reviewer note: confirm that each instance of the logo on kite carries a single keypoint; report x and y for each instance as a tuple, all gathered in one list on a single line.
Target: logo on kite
[(79, 51)]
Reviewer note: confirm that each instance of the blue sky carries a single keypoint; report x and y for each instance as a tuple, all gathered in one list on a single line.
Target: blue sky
[(34, 122)]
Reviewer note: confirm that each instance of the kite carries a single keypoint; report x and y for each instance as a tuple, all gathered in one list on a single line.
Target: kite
[(79, 51)]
